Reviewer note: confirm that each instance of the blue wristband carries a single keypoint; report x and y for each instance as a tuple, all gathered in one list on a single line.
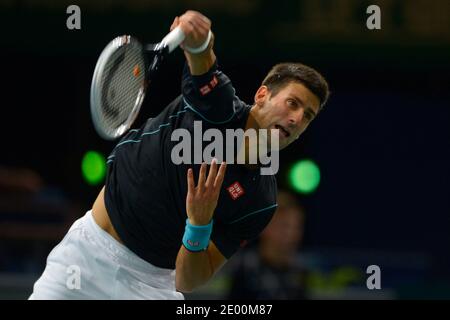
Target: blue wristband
[(196, 238)]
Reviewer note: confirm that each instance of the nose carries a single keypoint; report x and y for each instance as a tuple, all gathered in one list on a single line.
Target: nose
[(296, 117)]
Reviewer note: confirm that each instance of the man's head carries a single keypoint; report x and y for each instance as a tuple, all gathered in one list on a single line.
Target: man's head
[(289, 98)]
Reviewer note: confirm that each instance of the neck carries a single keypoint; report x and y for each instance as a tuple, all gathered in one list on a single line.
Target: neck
[(251, 121)]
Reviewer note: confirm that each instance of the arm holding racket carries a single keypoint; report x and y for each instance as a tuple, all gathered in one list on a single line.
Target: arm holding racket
[(198, 42)]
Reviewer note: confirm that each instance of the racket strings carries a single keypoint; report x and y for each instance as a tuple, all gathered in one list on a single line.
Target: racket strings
[(122, 84)]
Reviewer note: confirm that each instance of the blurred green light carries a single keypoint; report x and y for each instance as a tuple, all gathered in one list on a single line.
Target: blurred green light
[(304, 176), (93, 167)]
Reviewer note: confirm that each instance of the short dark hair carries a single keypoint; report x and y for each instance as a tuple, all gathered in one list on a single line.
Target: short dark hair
[(284, 73)]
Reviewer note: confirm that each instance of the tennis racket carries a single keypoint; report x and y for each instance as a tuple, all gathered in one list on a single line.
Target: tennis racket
[(122, 74)]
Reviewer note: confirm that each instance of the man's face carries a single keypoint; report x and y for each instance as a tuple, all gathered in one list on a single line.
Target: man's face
[(291, 110)]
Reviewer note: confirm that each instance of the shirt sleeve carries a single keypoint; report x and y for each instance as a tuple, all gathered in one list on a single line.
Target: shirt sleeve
[(209, 95), (229, 237)]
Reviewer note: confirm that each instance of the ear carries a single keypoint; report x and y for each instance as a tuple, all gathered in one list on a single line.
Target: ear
[(261, 95)]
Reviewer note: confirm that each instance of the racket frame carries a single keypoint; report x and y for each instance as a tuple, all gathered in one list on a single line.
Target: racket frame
[(168, 44), (96, 89)]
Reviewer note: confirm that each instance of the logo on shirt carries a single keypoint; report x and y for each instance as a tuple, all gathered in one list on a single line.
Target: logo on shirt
[(235, 190), (208, 87)]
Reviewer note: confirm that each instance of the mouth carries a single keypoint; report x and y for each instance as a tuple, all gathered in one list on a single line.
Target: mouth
[(283, 131)]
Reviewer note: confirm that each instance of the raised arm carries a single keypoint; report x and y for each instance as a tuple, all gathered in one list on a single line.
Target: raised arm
[(196, 27), (198, 258)]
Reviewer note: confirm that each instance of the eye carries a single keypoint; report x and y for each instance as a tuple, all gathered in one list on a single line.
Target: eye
[(291, 102)]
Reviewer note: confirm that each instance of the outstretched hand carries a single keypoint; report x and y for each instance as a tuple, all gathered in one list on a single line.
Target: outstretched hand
[(201, 200)]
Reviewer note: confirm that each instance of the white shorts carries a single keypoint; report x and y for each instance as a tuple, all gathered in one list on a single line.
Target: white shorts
[(90, 264)]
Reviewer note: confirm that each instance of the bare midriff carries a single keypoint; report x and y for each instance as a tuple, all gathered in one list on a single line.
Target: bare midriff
[(101, 216)]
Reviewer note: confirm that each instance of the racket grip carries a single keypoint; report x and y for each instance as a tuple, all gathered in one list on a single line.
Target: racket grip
[(173, 39)]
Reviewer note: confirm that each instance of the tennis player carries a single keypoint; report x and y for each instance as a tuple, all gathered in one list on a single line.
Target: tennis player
[(158, 229)]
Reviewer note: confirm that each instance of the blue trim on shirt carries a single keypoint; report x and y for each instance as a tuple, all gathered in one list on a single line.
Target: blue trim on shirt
[(254, 212), (128, 141), (188, 106), (156, 131), (178, 113), (144, 134)]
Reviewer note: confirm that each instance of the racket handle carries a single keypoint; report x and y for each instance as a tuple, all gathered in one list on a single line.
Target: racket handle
[(173, 39)]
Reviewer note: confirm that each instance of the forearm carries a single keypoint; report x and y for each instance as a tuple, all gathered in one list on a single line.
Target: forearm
[(200, 63), (196, 268), (193, 269)]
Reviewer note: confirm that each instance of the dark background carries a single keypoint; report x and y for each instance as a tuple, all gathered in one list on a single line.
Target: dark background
[(382, 142)]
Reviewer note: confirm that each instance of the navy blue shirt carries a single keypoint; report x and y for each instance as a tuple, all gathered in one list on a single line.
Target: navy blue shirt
[(145, 193)]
